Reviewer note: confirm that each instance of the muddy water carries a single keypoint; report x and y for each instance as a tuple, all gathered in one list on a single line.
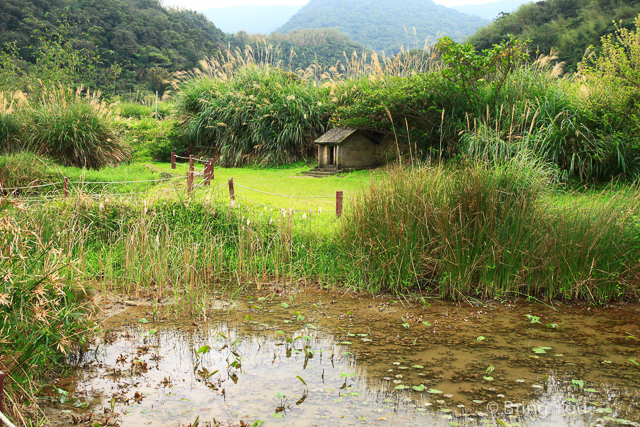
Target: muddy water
[(323, 359)]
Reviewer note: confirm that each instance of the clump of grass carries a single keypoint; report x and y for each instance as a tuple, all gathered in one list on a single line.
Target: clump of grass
[(43, 315), (487, 230), (75, 128), (261, 115), (22, 169), (9, 127)]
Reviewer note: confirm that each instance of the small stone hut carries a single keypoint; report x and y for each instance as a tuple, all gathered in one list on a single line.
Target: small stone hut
[(347, 149)]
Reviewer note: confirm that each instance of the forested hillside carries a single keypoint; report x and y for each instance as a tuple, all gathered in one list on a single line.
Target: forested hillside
[(567, 26), (300, 48), (491, 10), (384, 25), (139, 34)]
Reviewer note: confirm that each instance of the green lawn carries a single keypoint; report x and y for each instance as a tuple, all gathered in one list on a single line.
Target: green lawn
[(288, 187)]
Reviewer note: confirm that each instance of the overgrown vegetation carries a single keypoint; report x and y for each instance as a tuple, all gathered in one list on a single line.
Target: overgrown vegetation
[(491, 230), (274, 119), (483, 143), (566, 27), (43, 309)]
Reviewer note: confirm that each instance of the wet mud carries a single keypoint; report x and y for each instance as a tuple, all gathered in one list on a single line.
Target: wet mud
[(327, 359)]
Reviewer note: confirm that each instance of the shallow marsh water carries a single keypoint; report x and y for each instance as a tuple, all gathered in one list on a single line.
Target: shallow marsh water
[(323, 359)]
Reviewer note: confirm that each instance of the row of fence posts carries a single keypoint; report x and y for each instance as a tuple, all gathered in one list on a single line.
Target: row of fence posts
[(209, 174), (209, 171)]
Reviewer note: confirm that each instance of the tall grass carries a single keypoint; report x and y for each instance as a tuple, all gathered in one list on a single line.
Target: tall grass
[(263, 115), (480, 229), (487, 230), (75, 128), (178, 247), (42, 313), (540, 112)]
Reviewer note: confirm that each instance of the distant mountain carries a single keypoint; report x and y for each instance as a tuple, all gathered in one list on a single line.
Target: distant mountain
[(250, 18), (491, 10), (385, 25)]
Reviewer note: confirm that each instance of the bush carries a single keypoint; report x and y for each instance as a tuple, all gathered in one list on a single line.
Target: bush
[(22, 169), (74, 129), (138, 111), (261, 115), (486, 230)]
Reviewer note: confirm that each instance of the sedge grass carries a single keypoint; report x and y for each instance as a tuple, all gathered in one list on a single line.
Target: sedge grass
[(490, 231)]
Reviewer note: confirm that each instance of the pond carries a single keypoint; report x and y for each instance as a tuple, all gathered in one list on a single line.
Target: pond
[(328, 359)]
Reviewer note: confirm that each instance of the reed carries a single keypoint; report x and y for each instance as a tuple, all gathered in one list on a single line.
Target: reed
[(73, 127), (43, 308), (490, 230)]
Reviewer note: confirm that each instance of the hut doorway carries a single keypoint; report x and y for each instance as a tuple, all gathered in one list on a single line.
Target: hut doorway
[(332, 156)]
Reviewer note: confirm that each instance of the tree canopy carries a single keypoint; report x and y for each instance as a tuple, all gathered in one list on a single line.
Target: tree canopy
[(569, 27)]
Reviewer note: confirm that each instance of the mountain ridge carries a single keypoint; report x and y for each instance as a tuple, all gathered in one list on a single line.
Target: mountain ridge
[(385, 26)]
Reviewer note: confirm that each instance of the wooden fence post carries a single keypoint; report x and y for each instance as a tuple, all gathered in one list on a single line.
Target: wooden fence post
[(339, 203), (232, 193), (190, 175), (211, 169), (1, 395), (66, 189), (208, 173), (173, 160)]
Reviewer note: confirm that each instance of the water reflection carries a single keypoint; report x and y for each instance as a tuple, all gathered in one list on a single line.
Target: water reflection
[(325, 361)]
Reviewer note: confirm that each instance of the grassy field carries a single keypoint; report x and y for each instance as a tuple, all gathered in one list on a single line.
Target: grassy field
[(287, 186)]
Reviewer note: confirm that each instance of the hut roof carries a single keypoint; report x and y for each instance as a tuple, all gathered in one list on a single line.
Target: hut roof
[(336, 136), (339, 135)]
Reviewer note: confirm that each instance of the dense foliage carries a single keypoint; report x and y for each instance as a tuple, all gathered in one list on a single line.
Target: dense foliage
[(136, 34), (299, 49), (568, 27), (274, 119), (383, 25)]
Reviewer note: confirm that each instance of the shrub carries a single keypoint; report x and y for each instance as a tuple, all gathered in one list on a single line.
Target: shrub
[(261, 115), (75, 129)]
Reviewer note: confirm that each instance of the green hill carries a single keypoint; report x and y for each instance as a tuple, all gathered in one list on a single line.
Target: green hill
[(567, 26), (300, 48), (140, 34), (385, 25)]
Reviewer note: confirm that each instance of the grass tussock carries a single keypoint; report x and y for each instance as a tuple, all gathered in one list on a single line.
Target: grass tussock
[(491, 231), (275, 118), (75, 128), (43, 316)]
